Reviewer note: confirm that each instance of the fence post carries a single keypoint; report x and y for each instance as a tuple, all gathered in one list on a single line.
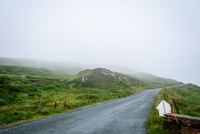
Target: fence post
[(40, 105), (55, 104), (176, 106), (65, 103), (88, 99)]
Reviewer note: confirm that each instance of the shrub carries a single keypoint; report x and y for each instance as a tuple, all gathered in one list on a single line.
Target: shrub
[(3, 102)]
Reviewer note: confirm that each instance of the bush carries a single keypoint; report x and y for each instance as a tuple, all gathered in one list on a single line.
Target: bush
[(3, 102), (8, 98)]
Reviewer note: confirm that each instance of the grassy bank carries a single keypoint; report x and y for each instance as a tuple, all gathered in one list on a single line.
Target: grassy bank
[(187, 100)]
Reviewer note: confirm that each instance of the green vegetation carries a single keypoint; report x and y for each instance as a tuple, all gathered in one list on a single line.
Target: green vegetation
[(187, 100), (21, 91)]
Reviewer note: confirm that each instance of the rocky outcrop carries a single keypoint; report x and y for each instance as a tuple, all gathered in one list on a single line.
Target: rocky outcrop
[(84, 78), (105, 71)]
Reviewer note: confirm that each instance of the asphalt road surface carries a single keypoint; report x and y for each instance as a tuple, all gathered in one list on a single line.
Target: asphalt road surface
[(123, 116)]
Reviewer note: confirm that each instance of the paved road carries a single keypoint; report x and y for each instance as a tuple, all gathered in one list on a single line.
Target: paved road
[(124, 116)]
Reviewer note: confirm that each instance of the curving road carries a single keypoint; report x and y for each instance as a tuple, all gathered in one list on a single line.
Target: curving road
[(123, 116)]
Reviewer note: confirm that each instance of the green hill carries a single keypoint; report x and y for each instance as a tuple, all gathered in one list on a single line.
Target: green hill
[(104, 78)]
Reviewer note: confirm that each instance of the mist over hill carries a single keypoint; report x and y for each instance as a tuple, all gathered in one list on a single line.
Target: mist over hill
[(64, 67), (70, 68), (67, 68)]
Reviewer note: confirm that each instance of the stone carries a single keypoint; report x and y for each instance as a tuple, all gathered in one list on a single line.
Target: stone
[(187, 124)]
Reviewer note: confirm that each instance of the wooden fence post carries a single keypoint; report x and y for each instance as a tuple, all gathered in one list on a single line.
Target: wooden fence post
[(65, 103), (88, 99), (176, 106), (40, 105), (55, 105)]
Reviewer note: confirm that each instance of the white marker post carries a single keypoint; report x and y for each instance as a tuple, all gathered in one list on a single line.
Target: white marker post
[(163, 108)]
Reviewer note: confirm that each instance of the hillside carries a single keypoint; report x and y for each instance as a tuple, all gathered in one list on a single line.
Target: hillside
[(104, 78), (30, 71), (154, 80)]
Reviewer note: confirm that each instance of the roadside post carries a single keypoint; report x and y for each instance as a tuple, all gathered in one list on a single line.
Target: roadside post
[(163, 108), (40, 105)]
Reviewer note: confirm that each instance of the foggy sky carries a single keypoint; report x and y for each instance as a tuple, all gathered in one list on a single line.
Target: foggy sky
[(157, 37)]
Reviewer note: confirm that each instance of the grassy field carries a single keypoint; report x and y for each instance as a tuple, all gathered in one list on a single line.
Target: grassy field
[(187, 100), (20, 96)]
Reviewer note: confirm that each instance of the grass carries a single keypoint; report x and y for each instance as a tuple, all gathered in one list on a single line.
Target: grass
[(20, 96), (187, 100)]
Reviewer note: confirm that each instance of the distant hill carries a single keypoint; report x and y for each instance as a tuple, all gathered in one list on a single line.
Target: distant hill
[(154, 80), (121, 69), (104, 78), (67, 68), (30, 71)]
